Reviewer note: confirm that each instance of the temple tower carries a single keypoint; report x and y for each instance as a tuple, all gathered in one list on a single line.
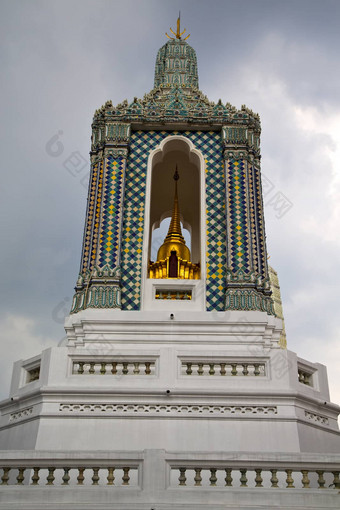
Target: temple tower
[(135, 148), (175, 388)]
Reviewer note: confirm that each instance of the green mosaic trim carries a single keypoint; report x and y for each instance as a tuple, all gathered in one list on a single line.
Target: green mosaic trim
[(99, 288), (234, 135), (247, 300), (97, 297), (248, 291)]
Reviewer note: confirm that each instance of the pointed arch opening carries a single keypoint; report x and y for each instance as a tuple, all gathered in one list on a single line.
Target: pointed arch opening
[(175, 151)]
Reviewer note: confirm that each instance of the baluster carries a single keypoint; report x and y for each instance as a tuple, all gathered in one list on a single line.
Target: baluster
[(228, 478), (256, 369), (103, 368), (5, 476), (189, 369), (198, 478), (213, 477), (321, 480), (92, 370), (81, 367), (223, 370), (114, 368), (258, 478), (147, 368), (243, 478), (212, 368), (234, 369), (126, 477), (245, 369), (182, 478), (110, 476), (35, 476), (200, 369), (21, 476), (305, 479), (136, 369), (289, 479), (50, 477), (80, 477), (274, 478), (125, 370), (95, 476), (66, 476), (336, 481)]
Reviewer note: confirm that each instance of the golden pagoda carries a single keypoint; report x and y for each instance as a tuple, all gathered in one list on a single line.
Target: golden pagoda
[(173, 257)]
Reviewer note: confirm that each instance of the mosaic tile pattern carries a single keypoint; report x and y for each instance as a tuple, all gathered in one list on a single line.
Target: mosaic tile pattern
[(112, 210), (254, 234), (237, 217), (93, 218), (216, 222), (89, 219), (142, 142), (261, 242)]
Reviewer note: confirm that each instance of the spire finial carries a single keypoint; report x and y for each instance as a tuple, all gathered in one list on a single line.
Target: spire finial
[(175, 223), (178, 34)]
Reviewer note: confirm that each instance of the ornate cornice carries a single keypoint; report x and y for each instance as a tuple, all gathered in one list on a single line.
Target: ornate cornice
[(180, 104)]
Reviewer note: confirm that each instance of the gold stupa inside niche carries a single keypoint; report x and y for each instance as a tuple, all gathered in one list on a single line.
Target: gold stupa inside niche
[(173, 257)]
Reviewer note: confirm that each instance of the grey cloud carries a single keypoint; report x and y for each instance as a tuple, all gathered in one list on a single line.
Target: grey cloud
[(62, 60)]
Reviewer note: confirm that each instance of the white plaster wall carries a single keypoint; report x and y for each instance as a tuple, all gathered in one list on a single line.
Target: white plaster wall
[(296, 417)]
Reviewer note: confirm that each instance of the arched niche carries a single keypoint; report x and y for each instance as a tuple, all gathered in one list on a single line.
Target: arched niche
[(175, 150)]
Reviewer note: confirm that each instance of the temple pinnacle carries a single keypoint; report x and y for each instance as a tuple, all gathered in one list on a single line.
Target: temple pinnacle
[(178, 34)]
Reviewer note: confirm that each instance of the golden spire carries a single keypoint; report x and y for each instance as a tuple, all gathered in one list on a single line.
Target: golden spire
[(178, 34), (174, 240), (175, 230), (173, 257)]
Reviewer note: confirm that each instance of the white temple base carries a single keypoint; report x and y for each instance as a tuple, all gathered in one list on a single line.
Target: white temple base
[(157, 399), (155, 394)]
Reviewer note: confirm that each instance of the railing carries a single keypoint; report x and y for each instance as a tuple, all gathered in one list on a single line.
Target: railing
[(256, 477), (173, 294), (67, 476), (224, 368), (114, 367), (69, 469), (150, 468), (111, 475)]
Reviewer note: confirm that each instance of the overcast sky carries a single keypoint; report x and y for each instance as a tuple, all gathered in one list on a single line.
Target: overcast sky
[(62, 60)]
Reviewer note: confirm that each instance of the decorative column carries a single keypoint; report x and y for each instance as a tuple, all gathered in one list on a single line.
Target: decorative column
[(99, 281), (247, 282)]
